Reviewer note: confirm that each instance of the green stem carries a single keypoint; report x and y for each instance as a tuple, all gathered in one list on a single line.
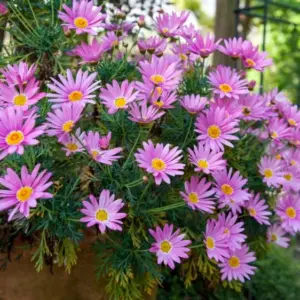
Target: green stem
[(133, 148), (188, 132), (196, 246), (167, 207), (134, 183), (32, 11)]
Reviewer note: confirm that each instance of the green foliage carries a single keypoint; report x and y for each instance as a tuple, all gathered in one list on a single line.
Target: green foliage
[(66, 254)]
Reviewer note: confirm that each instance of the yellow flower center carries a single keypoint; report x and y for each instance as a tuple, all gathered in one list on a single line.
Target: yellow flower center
[(81, 22), (227, 189), (274, 135), (291, 212), (120, 102), (225, 88), (226, 231), (203, 164), (157, 79), (14, 138), (158, 164), (159, 103), (252, 212), (159, 90), (292, 122), (24, 193), (72, 147), (293, 162), (234, 262), (165, 246), (210, 243), (20, 100), (67, 126), (214, 131), (165, 30), (268, 173), (273, 237), (278, 156), (182, 56), (115, 43), (193, 197), (288, 176), (250, 63), (75, 96), (101, 215), (246, 111), (95, 153)]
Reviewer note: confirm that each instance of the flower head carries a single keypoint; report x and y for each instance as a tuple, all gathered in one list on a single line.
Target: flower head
[(73, 143), (236, 266), (197, 195), (193, 103), (292, 115), (227, 82), (117, 96), (163, 100), (23, 192), (160, 160), (291, 179), (275, 234), (169, 246), (188, 32), (152, 45), (143, 113), (279, 130), (73, 90), (104, 141), (105, 212), (232, 47), (83, 17), (17, 131)]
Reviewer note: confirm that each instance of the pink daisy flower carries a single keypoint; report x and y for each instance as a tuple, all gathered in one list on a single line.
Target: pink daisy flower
[(236, 266), (104, 141), (203, 46), (23, 193), (258, 209), (73, 143), (169, 246), (169, 25), (275, 234), (160, 160), (288, 209), (292, 158), (193, 103), (163, 100), (18, 74), (20, 96), (206, 160), (229, 189), (116, 96), (215, 241), (111, 40), (152, 45), (216, 129), (143, 113), (291, 179), (271, 169), (279, 130), (292, 115), (188, 32), (227, 82), (197, 193), (61, 122), (17, 131), (83, 17), (105, 212), (74, 90), (232, 230), (3, 9), (160, 72), (232, 47), (120, 28), (92, 141), (253, 59)]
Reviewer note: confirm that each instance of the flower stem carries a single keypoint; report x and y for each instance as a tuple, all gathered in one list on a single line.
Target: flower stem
[(167, 207), (196, 246), (188, 132), (133, 148)]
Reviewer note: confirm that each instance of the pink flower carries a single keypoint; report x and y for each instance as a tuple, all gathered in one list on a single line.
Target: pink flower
[(163, 100), (160, 160), (275, 234), (206, 160), (169, 246), (119, 29), (3, 9), (258, 209), (229, 189), (83, 17), (227, 82), (111, 40), (152, 45), (236, 265), (73, 143), (232, 47), (216, 129), (288, 209), (271, 169), (279, 130), (92, 141), (291, 179), (18, 74), (161, 73), (144, 114), (17, 131), (22, 193), (203, 46), (104, 141), (197, 193), (193, 103), (232, 230), (253, 59), (75, 91), (187, 32), (292, 158), (169, 25), (20, 96), (116, 96), (292, 115), (61, 121), (105, 212), (215, 241)]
